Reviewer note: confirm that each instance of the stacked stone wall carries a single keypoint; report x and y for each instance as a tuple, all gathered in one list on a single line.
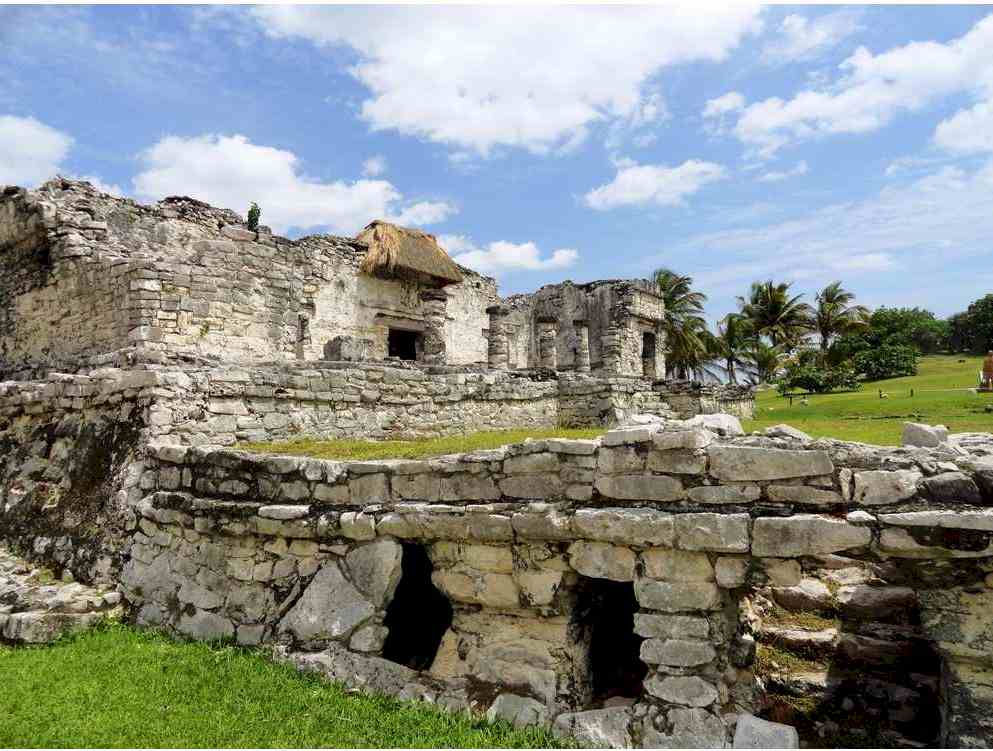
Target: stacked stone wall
[(307, 553)]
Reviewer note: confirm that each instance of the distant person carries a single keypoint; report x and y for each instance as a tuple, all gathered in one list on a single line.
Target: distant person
[(988, 370)]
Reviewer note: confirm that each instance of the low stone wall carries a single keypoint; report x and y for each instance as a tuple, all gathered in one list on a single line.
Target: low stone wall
[(529, 542), (688, 398)]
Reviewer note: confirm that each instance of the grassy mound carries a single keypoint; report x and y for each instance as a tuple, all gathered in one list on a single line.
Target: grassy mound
[(119, 687), (361, 450), (941, 395)]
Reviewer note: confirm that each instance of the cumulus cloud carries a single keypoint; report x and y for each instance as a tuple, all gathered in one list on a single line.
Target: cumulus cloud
[(232, 171), (722, 105), (30, 151), (502, 256), (374, 166), (968, 131), (876, 88), (802, 38), (775, 177), (644, 184), (538, 78)]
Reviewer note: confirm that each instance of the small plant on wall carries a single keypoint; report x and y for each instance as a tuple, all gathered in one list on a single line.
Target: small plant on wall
[(254, 214)]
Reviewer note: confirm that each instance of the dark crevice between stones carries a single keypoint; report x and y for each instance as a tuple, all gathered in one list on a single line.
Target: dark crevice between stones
[(418, 616), (604, 612)]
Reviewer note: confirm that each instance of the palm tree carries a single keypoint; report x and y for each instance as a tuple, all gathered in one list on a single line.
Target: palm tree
[(764, 360), (836, 315), (686, 331), (732, 343), (777, 315)]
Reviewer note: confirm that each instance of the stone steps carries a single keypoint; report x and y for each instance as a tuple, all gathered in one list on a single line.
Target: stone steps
[(36, 609)]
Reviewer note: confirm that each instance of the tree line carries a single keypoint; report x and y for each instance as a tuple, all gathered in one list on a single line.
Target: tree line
[(833, 344)]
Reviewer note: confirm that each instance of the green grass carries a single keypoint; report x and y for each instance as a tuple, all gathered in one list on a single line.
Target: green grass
[(941, 396), (119, 687), (364, 449)]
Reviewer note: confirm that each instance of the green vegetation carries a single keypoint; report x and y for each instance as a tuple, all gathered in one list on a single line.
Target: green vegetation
[(941, 396), (254, 214), (362, 450), (118, 687), (801, 619), (772, 659)]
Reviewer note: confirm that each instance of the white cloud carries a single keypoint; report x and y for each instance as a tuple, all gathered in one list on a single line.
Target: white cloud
[(722, 105), (502, 256), (774, 177), (112, 188), (802, 38), (374, 166), (539, 78), (231, 171), (30, 151), (922, 228), (876, 88), (642, 184), (968, 131)]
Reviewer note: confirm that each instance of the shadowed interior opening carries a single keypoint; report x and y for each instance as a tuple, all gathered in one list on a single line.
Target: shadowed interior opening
[(648, 348), (419, 614), (403, 344), (605, 612)]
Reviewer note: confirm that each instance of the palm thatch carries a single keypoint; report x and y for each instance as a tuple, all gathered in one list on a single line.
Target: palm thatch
[(399, 252)]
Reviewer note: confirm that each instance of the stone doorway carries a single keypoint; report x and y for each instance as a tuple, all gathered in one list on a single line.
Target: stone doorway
[(403, 344), (604, 613), (648, 354), (419, 615)]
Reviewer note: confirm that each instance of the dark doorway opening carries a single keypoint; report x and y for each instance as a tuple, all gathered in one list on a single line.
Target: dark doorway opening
[(648, 348), (605, 613), (419, 614), (402, 344)]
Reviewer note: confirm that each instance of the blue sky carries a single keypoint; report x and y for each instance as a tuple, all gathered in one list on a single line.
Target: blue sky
[(799, 143)]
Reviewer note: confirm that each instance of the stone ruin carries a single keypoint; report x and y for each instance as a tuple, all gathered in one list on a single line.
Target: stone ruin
[(674, 583)]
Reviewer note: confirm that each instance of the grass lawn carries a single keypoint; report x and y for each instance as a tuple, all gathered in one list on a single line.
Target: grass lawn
[(355, 449), (119, 687), (941, 396)]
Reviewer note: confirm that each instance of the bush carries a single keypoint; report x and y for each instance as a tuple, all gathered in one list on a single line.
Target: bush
[(819, 379), (886, 361), (254, 214)]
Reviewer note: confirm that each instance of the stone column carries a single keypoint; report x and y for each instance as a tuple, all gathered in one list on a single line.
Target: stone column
[(582, 345), (498, 347), (433, 305), (547, 332)]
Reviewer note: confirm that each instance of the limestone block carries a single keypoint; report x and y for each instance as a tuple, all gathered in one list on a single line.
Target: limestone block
[(805, 534), (366, 672), (731, 494), (676, 652), (602, 561), (368, 638), (750, 463), (597, 728), (803, 494), (696, 728), (358, 526), (375, 569), (752, 732), (966, 519), (782, 572), (731, 572), (625, 526), (722, 424), (483, 557), (542, 524), (697, 438), (538, 587), (519, 711), (465, 584), (878, 487), (786, 431), (691, 691), (369, 489), (622, 436), (677, 462), (953, 487), (531, 486), (284, 512), (809, 594), (927, 436), (675, 597), (575, 447), (863, 600), (620, 459), (671, 626), (329, 608), (677, 565), (640, 487), (250, 635), (530, 464), (205, 626), (721, 533)]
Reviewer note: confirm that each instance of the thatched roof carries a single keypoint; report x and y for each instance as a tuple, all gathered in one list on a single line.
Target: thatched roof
[(406, 253)]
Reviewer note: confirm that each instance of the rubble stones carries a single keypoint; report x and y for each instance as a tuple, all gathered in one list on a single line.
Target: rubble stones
[(928, 436), (752, 732)]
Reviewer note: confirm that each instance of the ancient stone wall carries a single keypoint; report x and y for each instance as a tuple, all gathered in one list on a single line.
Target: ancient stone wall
[(688, 398), (674, 528)]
